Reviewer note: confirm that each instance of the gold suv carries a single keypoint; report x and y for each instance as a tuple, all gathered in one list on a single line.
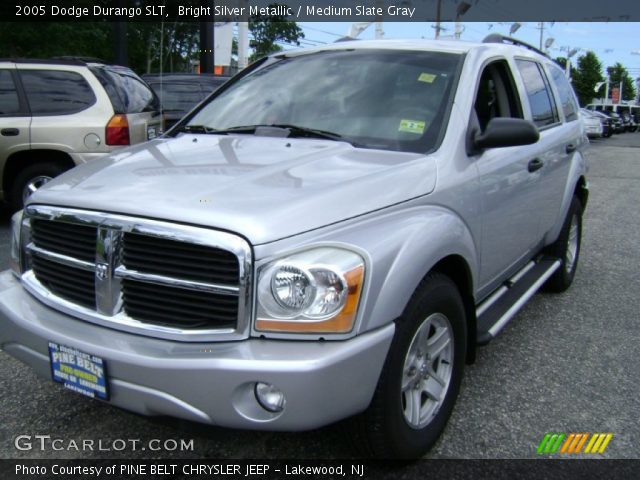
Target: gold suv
[(56, 114)]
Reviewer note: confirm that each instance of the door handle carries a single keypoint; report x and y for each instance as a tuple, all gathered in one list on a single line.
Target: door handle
[(10, 132), (535, 164), (571, 148)]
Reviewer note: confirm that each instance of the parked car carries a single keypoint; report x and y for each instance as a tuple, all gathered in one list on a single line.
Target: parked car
[(628, 122), (607, 123), (616, 120), (593, 124), (180, 92), (329, 235), (55, 114)]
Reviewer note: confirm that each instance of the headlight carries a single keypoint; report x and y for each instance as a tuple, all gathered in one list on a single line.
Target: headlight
[(316, 291), (14, 261)]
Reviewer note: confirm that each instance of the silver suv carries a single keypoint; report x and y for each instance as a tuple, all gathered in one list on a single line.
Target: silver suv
[(330, 235), (55, 114)]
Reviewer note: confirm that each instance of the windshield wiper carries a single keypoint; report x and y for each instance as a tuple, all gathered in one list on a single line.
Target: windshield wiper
[(294, 131)]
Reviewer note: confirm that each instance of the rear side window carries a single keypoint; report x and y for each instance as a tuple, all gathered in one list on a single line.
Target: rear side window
[(51, 92), (9, 102), (127, 91), (540, 97), (567, 97)]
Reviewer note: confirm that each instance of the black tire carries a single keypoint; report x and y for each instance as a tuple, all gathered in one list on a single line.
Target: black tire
[(26, 176), (563, 277), (382, 431)]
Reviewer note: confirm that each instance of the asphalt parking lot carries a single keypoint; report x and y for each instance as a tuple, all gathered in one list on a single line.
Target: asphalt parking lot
[(566, 363)]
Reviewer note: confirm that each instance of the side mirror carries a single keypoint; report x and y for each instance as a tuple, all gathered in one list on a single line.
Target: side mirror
[(506, 132)]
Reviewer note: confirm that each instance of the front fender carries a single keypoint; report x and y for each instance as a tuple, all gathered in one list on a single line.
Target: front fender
[(400, 247)]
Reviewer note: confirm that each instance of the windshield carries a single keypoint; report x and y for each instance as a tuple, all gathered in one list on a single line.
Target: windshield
[(385, 99)]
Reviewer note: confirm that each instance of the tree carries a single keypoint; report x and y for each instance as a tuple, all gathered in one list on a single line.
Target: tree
[(269, 29), (617, 74), (587, 75), (51, 39)]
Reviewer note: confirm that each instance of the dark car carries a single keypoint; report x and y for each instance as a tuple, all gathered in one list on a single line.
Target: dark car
[(180, 92), (607, 123), (618, 125)]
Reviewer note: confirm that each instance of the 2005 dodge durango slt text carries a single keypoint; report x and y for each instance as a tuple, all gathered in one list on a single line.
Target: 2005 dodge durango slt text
[(329, 235)]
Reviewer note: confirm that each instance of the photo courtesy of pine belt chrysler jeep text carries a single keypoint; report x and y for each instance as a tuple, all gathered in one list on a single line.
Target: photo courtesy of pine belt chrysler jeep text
[(330, 235)]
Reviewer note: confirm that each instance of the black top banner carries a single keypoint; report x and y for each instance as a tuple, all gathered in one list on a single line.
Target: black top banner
[(321, 10)]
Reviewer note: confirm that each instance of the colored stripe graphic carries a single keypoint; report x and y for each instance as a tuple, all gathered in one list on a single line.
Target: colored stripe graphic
[(573, 443)]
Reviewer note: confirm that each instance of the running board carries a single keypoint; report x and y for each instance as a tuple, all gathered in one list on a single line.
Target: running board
[(501, 306)]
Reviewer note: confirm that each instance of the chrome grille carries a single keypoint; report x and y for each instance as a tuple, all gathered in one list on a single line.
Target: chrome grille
[(149, 277), (70, 283), (167, 305), (178, 259), (78, 241)]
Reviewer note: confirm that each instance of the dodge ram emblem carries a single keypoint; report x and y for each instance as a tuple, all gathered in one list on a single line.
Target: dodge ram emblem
[(102, 271)]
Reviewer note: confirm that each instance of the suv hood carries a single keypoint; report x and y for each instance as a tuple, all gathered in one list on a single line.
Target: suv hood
[(263, 188)]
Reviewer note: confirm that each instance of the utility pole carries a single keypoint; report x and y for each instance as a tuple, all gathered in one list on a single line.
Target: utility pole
[(120, 45), (206, 40), (620, 97), (459, 30), (438, 16), (541, 28)]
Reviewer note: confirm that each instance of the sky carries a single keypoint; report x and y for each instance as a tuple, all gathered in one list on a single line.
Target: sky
[(611, 41)]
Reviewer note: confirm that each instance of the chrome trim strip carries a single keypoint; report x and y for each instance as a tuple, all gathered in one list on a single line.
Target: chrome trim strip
[(509, 314), (110, 229), (121, 321), (59, 258), (495, 296), (108, 286), (124, 272)]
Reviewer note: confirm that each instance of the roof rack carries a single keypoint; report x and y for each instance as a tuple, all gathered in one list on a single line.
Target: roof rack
[(36, 61), (497, 38), (78, 58)]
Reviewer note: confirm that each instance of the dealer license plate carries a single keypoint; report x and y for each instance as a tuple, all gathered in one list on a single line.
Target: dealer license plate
[(78, 371), (152, 132)]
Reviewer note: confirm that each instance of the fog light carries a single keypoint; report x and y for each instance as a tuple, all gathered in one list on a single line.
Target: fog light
[(270, 397)]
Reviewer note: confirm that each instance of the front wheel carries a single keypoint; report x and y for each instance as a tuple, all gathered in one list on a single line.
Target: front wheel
[(567, 249), (421, 377)]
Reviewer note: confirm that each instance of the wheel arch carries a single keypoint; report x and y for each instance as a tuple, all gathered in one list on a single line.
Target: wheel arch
[(25, 158), (456, 268)]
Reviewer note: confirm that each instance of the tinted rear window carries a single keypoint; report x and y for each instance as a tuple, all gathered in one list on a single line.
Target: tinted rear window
[(51, 92), (9, 102), (567, 98), (540, 98), (127, 91)]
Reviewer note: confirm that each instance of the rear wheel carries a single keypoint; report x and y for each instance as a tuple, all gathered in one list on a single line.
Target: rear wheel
[(421, 377), (30, 179), (567, 249)]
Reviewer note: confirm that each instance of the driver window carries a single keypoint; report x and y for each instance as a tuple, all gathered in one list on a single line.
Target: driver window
[(496, 95)]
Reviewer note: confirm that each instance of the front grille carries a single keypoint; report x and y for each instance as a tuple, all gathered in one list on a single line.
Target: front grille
[(172, 258), (70, 283), (175, 282), (168, 306), (78, 241)]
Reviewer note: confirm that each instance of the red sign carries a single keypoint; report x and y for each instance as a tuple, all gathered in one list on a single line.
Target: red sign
[(615, 95)]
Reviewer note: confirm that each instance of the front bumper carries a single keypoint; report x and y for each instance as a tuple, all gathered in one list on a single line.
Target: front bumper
[(205, 382)]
